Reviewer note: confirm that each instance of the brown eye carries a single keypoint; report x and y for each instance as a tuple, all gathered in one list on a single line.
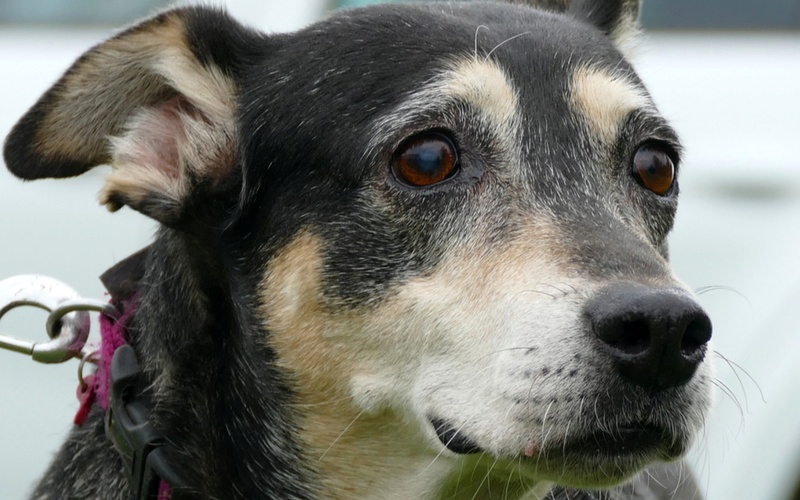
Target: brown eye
[(425, 160), (653, 168)]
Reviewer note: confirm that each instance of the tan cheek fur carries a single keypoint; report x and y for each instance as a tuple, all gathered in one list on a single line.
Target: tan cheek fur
[(349, 451)]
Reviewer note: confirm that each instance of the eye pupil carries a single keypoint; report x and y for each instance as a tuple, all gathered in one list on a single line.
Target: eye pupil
[(653, 168), (425, 160)]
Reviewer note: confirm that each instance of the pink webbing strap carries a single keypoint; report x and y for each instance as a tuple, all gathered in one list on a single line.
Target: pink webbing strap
[(113, 335), (96, 387), (164, 491)]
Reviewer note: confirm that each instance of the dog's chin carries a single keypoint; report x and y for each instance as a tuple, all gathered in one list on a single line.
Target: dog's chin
[(607, 457), (604, 459), (633, 439), (599, 458)]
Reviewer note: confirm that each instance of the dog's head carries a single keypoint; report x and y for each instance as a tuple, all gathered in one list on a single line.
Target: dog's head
[(453, 218)]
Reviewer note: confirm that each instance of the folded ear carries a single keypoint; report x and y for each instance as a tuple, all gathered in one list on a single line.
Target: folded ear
[(157, 102), (619, 19)]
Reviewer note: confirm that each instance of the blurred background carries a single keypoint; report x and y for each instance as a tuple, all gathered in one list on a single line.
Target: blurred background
[(725, 72)]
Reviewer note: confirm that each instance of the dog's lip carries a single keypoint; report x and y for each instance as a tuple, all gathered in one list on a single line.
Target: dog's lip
[(638, 438), (453, 438), (628, 439)]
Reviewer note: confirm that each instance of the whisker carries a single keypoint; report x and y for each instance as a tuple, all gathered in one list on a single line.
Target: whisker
[(651, 477), (714, 288), (325, 403), (735, 368), (507, 488), (433, 461), (485, 477), (741, 385), (477, 30), (574, 290), (457, 431), (544, 436), (537, 291), (727, 391), (554, 287), (340, 435), (684, 475), (564, 444), (503, 42)]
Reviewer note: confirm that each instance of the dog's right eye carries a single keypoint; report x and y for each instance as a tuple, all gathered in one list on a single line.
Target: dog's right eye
[(653, 168), (425, 160)]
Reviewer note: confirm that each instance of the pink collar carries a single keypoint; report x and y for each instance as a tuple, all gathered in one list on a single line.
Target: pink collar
[(113, 334), (97, 387)]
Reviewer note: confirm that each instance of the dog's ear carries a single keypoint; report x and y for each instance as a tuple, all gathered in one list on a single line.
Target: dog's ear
[(553, 5), (616, 18), (619, 19), (157, 102)]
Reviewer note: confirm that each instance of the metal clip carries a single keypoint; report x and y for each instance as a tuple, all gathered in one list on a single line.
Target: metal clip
[(67, 325)]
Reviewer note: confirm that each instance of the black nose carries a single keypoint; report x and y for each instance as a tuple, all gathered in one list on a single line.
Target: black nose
[(656, 337)]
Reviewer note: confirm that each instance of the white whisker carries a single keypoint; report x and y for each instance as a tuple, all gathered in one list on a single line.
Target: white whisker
[(477, 30), (341, 434), (503, 42)]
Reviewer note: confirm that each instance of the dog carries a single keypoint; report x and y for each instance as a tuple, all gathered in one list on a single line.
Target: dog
[(410, 251)]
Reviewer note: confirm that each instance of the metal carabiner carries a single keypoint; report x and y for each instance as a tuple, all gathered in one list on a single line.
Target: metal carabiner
[(67, 325)]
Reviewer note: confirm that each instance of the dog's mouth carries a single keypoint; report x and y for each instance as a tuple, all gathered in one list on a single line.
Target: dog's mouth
[(637, 438), (452, 439)]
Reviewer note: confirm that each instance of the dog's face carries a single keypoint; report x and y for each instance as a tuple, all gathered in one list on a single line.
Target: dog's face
[(456, 221), (467, 229)]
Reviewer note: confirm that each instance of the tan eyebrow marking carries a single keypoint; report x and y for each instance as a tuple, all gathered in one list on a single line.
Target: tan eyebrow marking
[(605, 99), (483, 84)]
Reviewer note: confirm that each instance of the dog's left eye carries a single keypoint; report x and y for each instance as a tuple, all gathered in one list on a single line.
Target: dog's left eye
[(425, 160), (653, 168)]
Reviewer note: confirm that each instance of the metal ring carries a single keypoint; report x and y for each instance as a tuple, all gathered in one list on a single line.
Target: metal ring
[(90, 357), (79, 304), (67, 325)]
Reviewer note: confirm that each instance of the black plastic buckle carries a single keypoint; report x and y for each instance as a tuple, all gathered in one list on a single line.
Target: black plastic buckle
[(139, 444)]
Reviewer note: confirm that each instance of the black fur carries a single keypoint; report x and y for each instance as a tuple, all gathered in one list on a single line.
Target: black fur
[(604, 14)]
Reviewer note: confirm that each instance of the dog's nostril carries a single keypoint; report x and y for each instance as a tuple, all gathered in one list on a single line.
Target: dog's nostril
[(696, 336), (633, 337)]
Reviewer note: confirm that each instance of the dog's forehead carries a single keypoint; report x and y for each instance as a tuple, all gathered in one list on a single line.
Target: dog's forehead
[(538, 96), (363, 63)]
